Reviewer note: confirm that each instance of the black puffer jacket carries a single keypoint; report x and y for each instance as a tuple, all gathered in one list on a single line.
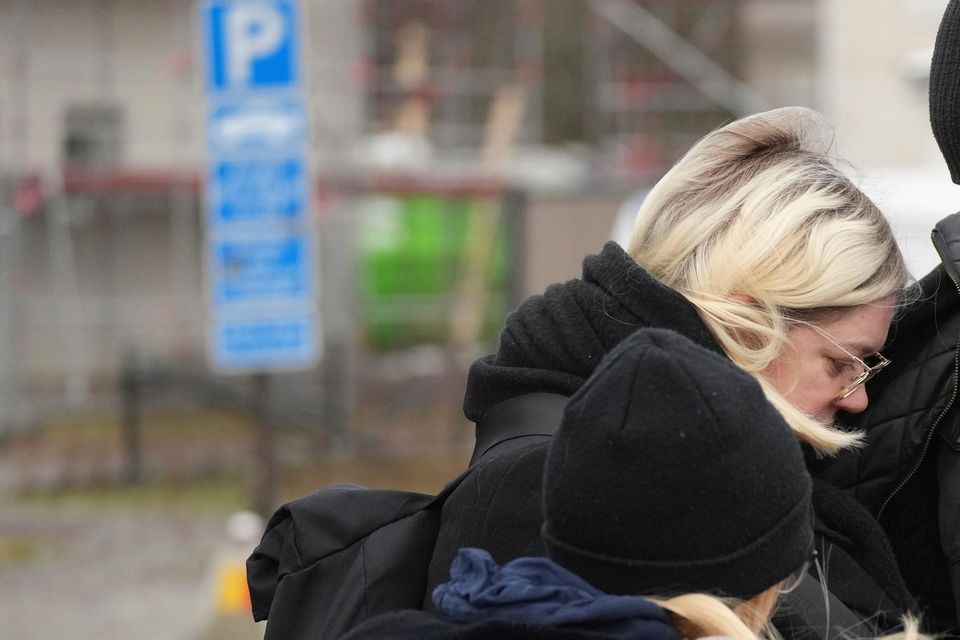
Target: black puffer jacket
[(908, 474)]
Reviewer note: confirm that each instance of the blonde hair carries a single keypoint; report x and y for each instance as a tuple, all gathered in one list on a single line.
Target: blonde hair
[(756, 226), (699, 615), (911, 631)]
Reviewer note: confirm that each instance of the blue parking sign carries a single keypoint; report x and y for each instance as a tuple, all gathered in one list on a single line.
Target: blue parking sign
[(266, 270), (255, 127), (259, 248), (251, 190), (257, 343), (251, 45)]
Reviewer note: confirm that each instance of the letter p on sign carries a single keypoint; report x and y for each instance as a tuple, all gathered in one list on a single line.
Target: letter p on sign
[(251, 44)]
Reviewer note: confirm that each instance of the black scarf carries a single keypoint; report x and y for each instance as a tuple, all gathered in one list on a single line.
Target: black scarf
[(553, 342)]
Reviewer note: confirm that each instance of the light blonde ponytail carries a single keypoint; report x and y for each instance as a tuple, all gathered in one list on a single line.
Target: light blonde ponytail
[(699, 615)]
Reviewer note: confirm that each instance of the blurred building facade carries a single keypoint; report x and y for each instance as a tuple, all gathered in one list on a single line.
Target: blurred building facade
[(873, 69), (577, 102), (104, 83)]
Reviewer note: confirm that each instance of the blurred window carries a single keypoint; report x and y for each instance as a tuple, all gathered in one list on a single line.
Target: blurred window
[(93, 135)]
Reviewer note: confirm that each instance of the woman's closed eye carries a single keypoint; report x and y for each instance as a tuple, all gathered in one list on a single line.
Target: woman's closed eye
[(843, 367)]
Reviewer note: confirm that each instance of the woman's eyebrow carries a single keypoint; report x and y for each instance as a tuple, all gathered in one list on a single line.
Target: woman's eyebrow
[(861, 349)]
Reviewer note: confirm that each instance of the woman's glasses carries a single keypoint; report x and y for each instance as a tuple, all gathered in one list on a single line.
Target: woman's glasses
[(870, 369)]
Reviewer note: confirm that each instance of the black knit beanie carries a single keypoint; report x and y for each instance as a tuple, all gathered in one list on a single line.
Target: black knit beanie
[(945, 89), (671, 473)]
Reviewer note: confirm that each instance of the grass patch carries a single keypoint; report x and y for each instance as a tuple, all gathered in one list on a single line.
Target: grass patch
[(199, 462), (231, 492), (211, 495), (426, 474), (156, 426), (17, 550)]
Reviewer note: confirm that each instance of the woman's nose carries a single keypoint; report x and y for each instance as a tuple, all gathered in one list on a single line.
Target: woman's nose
[(856, 402)]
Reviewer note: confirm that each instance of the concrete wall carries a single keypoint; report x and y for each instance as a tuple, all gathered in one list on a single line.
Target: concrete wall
[(779, 40), (122, 274), (857, 60), (135, 55), (559, 232), (145, 57), (872, 60)]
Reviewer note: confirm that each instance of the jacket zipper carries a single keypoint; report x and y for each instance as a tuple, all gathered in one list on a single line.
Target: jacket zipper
[(936, 423)]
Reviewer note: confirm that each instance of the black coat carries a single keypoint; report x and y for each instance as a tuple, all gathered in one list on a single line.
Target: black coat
[(552, 343), (417, 625), (908, 474)]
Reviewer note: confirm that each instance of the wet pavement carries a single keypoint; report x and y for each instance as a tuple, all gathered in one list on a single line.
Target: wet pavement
[(86, 574)]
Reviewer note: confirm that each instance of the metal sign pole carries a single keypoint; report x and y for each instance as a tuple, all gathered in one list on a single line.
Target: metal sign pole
[(265, 479), (260, 265)]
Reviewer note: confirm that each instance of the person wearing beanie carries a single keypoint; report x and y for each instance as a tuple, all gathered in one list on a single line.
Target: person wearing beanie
[(671, 472), (754, 246), (757, 246), (671, 482), (944, 92)]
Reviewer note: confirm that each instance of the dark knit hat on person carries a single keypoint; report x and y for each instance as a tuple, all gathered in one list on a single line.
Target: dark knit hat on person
[(671, 473), (945, 89)]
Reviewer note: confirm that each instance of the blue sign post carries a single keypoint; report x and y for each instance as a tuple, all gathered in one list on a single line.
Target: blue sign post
[(259, 242)]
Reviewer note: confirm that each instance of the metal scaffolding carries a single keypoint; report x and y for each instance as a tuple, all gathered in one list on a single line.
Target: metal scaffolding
[(660, 74)]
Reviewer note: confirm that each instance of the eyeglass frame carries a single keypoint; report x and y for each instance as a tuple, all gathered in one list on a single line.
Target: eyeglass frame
[(861, 378)]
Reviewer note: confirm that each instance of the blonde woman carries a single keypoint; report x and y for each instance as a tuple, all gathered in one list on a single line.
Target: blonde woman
[(758, 247), (676, 506), (793, 270)]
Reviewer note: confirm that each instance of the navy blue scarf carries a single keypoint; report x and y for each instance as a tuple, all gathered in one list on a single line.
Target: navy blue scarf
[(541, 592)]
